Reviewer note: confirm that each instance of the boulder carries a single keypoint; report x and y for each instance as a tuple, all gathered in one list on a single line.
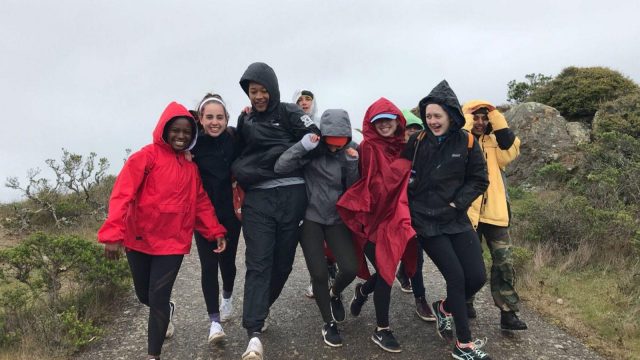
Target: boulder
[(546, 137)]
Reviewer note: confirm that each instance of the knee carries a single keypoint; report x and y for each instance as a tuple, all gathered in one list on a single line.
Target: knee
[(348, 271), (143, 298), (476, 281), (320, 277)]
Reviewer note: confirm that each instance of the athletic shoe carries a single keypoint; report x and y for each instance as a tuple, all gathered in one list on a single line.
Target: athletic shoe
[(423, 310), (216, 334), (510, 321), (331, 335), (226, 309), (403, 280), (385, 339), (170, 328), (469, 351), (471, 311), (337, 309), (254, 350), (443, 320), (358, 300), (309, 292)]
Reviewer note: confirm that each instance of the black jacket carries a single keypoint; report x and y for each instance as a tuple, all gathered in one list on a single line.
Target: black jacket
[(264, 136), (446, 171), (214, 157)]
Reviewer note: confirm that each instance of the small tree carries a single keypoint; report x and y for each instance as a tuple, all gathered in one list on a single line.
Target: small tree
[(520, 91)]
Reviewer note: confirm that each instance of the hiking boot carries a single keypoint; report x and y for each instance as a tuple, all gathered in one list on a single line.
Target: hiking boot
[(443, 320), (254, 350), (469, 351), (216, 334), (403, 280), (423, 310), (358, 300), (385, 339), (331, 335), (226, 309), (510, 321), (471, 311), (337, 308), (309, 291), (170, 327)]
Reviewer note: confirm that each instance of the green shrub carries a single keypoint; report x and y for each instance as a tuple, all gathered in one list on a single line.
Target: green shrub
[(621, 115), (519, 91), (553, 174), (521, 257), (578, 92)]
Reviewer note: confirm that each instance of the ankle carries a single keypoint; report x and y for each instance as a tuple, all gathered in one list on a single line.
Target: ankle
[(380, 328), (468, 345)]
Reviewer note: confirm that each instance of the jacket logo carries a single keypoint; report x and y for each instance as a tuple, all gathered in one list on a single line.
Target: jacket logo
[(455, 155), (306, 120)]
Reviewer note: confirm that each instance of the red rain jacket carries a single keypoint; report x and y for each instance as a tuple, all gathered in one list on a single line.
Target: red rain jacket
[(158, 199), (376, 207)]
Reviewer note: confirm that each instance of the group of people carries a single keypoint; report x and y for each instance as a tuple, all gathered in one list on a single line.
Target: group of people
[(412, 184)]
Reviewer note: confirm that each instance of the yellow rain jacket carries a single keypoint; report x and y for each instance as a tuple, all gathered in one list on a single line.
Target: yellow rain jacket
[(492, 207)]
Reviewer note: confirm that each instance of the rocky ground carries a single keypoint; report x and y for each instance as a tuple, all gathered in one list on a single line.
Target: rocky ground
[(294, 331)]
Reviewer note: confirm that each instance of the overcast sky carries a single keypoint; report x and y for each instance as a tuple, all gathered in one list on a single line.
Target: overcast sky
[(95, 75)]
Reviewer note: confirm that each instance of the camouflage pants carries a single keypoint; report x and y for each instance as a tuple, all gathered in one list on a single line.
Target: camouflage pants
[(502, 273)]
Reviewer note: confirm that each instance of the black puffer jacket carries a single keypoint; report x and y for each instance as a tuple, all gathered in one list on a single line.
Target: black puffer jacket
[(264, 136), (446, 171)]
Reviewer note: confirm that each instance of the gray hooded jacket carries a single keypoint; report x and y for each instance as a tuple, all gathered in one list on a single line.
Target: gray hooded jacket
[(327, 174)]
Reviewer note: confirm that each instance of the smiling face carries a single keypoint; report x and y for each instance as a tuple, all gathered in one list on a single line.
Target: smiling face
[(480, 122), (386, 127), (437, 119), (306, 103), (259, 96), (213, 119), (179, 134)]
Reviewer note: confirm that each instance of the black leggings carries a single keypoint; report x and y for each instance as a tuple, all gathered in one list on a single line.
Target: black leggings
[(338, 238), (209, 262), (153, 278), (380, 289), (459, 259)]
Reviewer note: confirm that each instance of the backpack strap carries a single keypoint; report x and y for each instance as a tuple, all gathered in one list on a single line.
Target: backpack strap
[(469, 141), (416, 144)]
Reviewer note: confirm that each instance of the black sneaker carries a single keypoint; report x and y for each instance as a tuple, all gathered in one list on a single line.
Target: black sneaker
[(471, 311), (470, 352), (358, 300), (443, 321), (337, 309), (423, 310), (510, 321), (385, 339), (331, 335), (403, 280)]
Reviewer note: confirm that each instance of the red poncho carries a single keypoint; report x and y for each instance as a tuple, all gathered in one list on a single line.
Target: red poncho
[(376, 207)]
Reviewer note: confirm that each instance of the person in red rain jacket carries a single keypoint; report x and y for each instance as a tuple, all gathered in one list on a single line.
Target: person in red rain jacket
[(376, 210), (156, 203)]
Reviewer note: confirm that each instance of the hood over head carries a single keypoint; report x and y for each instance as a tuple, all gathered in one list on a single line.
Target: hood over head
[(335, 122), (314, 106), (383, 106), (412, 119), (470, 107), (444, 96), (172, 111), (264, 75)]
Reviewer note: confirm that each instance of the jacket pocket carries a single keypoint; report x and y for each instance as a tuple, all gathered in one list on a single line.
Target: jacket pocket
[(169, 221)]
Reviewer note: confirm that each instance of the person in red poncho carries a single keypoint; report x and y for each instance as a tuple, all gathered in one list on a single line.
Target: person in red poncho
[(156, 203), (376, 210)]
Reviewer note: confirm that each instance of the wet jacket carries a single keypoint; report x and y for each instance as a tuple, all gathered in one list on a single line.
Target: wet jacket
[(375, 208), (500, 147), (446, 171), (158, 199), (214, 156), (264, 136), (326, 174)]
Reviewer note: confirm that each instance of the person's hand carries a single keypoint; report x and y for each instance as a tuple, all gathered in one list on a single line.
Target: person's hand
[(188, 156), (222, 245), (497, 120), (310, 141), (247, 110), (351, 152), (113, 251)]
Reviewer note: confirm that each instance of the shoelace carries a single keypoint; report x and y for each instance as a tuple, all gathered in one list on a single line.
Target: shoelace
[(447, 323), (480, 343)]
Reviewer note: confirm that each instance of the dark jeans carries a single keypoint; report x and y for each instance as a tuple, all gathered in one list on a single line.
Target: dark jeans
[(209, 262), (380, 289), (459, 259), (338, 239), (271, 227), (153, 278)]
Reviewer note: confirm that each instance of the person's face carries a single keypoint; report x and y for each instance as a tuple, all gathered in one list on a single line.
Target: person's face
[(306, 103), (410, 130), (259, 97), (179, 134), (437, 119), (213, 119), (480, 122), (386, 127)]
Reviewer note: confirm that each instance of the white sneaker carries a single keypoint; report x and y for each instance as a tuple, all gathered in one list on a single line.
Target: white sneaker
[(170, 328), (226, 309), (216, 334), (309, 292), (254, 350)]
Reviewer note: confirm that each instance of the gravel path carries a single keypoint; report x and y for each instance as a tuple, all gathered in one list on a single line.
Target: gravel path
[(294, 331)]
